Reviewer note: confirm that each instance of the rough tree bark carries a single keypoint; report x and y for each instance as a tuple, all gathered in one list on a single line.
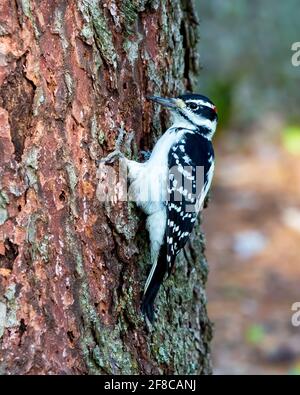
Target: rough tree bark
[(72, 269)]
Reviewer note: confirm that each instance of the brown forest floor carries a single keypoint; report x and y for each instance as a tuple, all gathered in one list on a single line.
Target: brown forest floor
[(252, 227)]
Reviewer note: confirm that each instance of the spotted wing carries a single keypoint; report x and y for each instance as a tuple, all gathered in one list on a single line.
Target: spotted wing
[(190, 174)]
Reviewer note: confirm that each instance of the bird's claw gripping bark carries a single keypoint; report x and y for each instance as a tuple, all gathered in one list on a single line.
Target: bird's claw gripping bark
[(116, 154), (146, 155), (112, 157)]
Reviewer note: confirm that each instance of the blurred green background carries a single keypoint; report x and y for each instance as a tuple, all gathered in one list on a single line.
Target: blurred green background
[(245, 51), (252, 223)]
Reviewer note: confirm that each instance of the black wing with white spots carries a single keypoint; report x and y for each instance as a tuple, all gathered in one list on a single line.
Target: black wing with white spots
[(187, 186), (191, 162)]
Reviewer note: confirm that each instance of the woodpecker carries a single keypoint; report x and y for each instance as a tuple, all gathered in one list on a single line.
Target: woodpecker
[(170, 187)]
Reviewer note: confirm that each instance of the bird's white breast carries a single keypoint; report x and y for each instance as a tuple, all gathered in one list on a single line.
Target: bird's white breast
[(151, 180)]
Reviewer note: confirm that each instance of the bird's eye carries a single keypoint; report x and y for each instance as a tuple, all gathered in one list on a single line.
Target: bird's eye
[(193, 106)]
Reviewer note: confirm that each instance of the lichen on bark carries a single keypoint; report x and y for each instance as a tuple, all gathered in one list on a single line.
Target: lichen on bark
[(72, 269)]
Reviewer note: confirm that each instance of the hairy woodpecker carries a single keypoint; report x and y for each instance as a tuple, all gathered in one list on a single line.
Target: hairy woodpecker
[(168, 186)]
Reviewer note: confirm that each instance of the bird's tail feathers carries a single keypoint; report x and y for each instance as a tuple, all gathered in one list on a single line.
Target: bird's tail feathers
[(153, 283)]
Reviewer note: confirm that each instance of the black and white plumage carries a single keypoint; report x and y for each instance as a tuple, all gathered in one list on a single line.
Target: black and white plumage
[(171, 185), (187, 189)]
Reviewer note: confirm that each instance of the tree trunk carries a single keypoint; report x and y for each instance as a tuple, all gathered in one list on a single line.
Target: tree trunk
[(72, 268)]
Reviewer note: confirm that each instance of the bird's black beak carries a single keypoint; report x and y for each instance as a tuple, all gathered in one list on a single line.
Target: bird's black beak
[(167, 102)]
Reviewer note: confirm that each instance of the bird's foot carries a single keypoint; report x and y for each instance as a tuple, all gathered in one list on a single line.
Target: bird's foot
[(146, 155), (116, 154), (112, 157)]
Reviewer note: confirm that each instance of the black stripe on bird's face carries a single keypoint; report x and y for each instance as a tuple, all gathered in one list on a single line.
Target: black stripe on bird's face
[(205, 112), (198, 106), (193, 110), (197, 110)]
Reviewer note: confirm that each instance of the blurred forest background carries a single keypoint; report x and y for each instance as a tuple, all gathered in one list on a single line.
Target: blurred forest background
[(252, 224)]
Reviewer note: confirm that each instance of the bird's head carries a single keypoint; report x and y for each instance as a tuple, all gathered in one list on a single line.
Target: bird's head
[(191, 111)]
